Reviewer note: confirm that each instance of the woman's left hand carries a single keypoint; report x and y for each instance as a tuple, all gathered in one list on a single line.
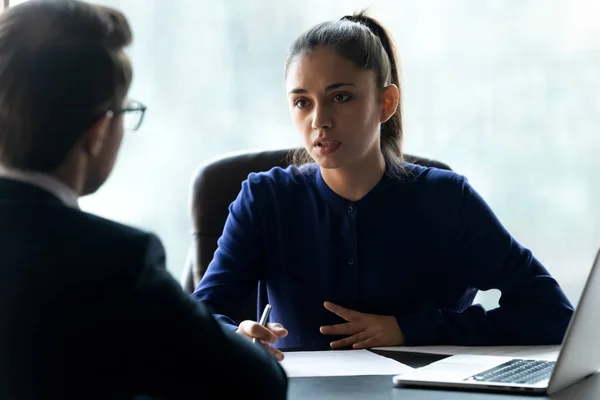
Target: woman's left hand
[(364, 330)]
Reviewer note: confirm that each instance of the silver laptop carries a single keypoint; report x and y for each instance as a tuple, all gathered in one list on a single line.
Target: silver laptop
[(579, 357)]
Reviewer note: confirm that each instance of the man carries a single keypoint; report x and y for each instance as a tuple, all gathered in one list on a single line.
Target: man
[(87, 309)]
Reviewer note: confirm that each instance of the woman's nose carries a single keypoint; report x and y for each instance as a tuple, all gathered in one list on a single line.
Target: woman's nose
[(322, 118)]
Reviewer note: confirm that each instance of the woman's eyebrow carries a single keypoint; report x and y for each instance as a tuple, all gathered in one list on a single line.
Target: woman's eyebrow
[(333, 86)]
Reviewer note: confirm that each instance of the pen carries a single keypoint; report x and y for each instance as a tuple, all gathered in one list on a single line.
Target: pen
[(264, 318)]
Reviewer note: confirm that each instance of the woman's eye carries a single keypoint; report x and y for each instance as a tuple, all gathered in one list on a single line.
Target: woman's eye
[(300, 103), (341, 98)]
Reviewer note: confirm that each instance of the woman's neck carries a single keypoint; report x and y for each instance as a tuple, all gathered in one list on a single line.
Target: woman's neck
[(355, 181)]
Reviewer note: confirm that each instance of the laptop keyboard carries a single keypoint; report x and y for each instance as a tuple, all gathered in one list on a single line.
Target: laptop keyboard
[(517, 371)]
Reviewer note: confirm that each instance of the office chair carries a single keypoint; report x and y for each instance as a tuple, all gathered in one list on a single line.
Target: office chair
[(215, 185)]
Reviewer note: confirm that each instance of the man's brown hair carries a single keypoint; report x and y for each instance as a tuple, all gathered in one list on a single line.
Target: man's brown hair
[(62, 67)]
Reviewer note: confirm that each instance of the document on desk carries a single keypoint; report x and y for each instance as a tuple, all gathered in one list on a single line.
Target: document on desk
[(549, 353), (340, 363)]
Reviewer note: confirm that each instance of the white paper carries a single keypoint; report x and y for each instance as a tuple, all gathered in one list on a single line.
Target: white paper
[(549, 353), (339, 363)]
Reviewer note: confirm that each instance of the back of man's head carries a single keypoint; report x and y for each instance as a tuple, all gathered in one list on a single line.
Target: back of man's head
[(62, 68)]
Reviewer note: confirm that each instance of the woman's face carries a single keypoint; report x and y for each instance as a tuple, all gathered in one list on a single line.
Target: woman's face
[(336, 107)]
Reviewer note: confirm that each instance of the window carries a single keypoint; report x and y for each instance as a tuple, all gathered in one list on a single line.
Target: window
[(507, 93)]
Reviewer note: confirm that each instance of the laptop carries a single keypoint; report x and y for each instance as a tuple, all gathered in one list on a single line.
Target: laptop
[(578, 358)]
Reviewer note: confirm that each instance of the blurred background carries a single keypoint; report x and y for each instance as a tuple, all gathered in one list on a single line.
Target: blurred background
[(507, 92)]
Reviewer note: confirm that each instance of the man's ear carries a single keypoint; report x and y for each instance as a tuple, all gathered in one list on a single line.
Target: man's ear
[(94, 137), (389, 105)]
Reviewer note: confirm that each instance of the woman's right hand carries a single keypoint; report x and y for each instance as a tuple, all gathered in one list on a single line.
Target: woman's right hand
[(267, 335)]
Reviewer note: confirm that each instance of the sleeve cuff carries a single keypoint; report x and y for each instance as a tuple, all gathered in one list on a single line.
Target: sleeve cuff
[(226, 322), (421, 328)]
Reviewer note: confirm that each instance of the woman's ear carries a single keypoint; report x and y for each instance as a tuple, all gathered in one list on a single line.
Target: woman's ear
[(94, 137), (389, 105)]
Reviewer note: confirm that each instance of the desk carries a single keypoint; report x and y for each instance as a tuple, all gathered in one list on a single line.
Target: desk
[(375, 387)]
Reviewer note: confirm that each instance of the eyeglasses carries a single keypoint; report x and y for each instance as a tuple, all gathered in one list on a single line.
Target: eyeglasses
[(133, 115)]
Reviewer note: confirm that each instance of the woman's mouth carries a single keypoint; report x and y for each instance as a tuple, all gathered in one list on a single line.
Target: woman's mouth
[(327, 147)]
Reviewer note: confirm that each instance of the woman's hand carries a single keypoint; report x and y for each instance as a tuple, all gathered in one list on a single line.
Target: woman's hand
[(364, 330), (267, 335)]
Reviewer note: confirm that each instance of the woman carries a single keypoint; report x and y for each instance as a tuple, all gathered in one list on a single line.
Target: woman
[(359, 248)]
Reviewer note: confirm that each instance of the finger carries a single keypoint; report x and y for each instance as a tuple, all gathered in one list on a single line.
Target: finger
[(277, 329), (348, 328), (275, 352), (346, 313), (349, 341), (367, 343), (253, 329)]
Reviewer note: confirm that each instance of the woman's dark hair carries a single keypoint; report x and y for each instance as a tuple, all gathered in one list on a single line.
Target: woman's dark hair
[(363, 41), (62, 67)]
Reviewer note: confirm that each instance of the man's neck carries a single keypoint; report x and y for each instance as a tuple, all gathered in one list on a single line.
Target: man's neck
[(66, 176)]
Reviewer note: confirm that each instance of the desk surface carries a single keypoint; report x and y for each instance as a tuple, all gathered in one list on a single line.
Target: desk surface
[(375, 387)]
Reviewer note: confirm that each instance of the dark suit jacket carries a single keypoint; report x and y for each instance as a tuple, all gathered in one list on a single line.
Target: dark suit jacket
[(87, 310)]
